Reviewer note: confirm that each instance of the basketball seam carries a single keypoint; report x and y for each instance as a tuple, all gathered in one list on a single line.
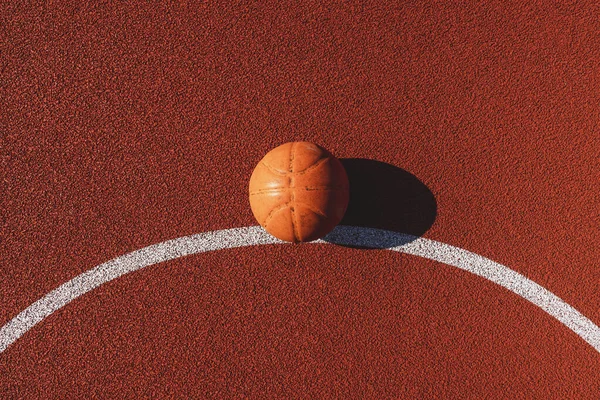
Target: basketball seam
[(294, 225), (312, 188), (324, 187), (314, 210), (270, 190), (273, 169), (269, 217), (301, 172), (292, 158), (292, 199), (313, 166)]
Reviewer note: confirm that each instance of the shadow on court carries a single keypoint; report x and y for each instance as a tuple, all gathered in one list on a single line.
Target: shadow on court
[(390, 206)]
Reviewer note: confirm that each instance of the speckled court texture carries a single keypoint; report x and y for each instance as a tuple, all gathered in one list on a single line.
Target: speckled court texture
[(130, 263)]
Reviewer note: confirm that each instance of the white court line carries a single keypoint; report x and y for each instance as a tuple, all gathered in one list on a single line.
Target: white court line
[(255, 235)]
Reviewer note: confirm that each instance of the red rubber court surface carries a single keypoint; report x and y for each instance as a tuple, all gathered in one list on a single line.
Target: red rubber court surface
[(124, 126)]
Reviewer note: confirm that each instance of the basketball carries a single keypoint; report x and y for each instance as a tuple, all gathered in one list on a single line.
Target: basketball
[(299, 192)]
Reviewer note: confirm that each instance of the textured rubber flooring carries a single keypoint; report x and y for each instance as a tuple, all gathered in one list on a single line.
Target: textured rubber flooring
[(127, 125)]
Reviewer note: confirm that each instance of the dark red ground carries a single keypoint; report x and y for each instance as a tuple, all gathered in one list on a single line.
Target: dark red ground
[(123, 126)]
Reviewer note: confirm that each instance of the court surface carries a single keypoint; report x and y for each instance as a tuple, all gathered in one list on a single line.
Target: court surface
[(467, 266)]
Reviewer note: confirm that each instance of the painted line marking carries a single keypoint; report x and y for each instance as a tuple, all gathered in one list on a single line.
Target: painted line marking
[(255, 235)]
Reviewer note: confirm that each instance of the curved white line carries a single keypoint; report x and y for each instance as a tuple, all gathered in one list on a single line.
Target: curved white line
[(255, 235)]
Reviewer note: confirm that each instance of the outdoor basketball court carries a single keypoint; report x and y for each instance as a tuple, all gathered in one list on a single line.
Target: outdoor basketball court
[(467, 265)]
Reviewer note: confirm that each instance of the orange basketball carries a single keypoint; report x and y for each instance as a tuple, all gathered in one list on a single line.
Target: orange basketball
[(299, 192)]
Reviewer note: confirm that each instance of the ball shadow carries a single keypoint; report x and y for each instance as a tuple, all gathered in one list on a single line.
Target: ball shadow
[(391, 205)]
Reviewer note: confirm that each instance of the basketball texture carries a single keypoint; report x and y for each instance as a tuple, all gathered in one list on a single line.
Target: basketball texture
[(299, 192)]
